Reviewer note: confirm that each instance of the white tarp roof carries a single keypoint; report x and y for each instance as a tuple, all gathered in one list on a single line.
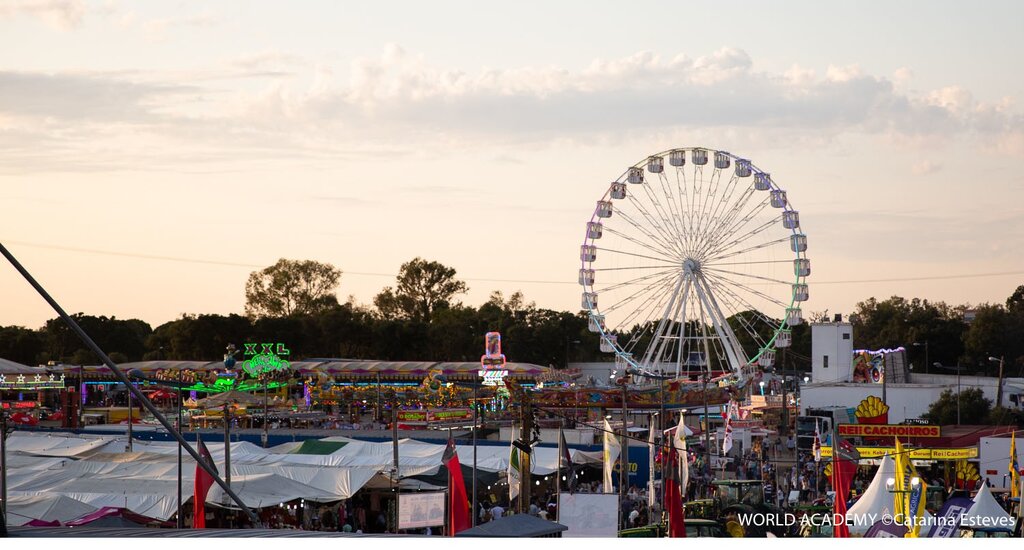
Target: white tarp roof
[(22, 509), (985, 506), (96, 470)]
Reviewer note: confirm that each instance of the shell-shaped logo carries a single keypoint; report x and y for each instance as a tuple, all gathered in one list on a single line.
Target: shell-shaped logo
[(872, 411)]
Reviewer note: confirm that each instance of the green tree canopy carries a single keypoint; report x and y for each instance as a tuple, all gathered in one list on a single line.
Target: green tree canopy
[(974, 407), (422, 288), (291, 287)]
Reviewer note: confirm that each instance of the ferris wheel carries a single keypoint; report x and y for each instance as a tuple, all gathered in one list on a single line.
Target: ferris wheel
[(694, 261)]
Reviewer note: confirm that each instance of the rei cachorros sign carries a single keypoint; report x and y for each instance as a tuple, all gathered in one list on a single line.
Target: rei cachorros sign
[(888, 430)]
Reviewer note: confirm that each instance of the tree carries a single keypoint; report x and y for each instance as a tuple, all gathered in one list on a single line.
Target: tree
[(973, 406), (291, 287), (422, 288)]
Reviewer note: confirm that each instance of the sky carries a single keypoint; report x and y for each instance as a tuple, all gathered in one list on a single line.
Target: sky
[(153, 154)]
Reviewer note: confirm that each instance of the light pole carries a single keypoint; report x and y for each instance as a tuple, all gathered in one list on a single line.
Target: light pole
[(3, 471), (926, 363), (999, 389)]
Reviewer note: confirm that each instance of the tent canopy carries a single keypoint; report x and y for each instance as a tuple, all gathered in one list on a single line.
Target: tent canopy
[(987, 513)]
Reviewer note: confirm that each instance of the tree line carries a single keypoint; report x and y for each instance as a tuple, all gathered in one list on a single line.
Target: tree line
[(420, 318)]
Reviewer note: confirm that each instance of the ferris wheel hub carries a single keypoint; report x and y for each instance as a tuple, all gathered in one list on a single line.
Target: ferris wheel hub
[(691, 266)]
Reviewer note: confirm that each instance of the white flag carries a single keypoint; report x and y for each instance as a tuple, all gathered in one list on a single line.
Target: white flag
[(513, 470), (679, 442), (727, 440), (817, 442), (612, 449)]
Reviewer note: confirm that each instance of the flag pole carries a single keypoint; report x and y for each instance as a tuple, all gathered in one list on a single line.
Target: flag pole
[(558, 474), (123, 378)]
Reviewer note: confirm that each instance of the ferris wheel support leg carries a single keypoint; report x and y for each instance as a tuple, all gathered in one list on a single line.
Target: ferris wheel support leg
[(646, 363), (732, 350), (680, 305), (682, 326)]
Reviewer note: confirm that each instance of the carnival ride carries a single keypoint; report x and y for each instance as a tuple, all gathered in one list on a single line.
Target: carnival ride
[(686, 259)]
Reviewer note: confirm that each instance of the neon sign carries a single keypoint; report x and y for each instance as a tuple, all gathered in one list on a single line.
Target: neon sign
[(37, 382), (268, 359), (492, 362)]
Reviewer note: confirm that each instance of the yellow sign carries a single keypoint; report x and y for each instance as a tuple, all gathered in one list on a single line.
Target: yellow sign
[(962, 453)]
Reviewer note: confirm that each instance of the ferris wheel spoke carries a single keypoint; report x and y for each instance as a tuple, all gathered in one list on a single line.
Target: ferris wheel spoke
[(759, 277), (655, 239), (668, 261), (722, 255), (742, 306), (670, 240), (716, 264), (675, 215), (636, 280), (757, 293), (727, 216), (706, 216), (630, 268), (637, 242), (649, 305), (651, 291), (682, 185), (731, 231)]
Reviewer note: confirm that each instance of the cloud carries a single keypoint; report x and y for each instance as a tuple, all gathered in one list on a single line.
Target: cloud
[(60, 14), (925, 167), (399, 100)]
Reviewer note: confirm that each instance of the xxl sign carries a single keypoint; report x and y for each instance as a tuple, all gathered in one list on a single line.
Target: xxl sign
[(888, 430)]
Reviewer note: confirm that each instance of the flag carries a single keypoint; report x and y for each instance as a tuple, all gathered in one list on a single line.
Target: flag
[(727, 440), (1014, 467), (203, 482), (458, 504), (908, 496), (565, 461), (612, 449), (679, 442), (513, 470), (674, 499), (817, 442), (845, 458)]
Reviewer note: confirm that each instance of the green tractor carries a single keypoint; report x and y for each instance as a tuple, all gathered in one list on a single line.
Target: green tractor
[(734, 499)]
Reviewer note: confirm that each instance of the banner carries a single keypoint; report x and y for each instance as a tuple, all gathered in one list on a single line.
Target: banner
[(418, 510), (960, 453), (947, 523), (612, 449), (888, 430)]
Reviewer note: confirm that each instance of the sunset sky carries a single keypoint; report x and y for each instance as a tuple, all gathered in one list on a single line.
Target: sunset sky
[(153, 154)]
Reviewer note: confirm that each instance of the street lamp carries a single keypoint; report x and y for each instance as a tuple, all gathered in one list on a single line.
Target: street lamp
[(999, 389), (926, 363)]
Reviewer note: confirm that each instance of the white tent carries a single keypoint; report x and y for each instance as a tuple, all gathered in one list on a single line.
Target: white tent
[(876, 500), (22, 509), (987, 513), (95, 471)]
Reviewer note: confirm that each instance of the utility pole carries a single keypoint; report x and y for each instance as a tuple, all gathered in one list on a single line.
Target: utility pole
[(624, 455), (999, 389), (396, 480)]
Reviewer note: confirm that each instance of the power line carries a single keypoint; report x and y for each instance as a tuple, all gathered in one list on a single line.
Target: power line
[(479, 279)]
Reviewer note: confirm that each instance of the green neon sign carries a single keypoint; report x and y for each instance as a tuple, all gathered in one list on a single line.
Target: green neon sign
[(268, 359)]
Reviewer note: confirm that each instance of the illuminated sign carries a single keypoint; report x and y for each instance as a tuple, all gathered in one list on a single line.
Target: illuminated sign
[(35, 382), (21, 405), (435, 415), (268, 359), (961, 453), (888, 430), (492, 361)]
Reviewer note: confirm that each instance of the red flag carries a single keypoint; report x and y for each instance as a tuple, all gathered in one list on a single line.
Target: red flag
[(673, 499), (203, 482), (458, 504), (845, 458)]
